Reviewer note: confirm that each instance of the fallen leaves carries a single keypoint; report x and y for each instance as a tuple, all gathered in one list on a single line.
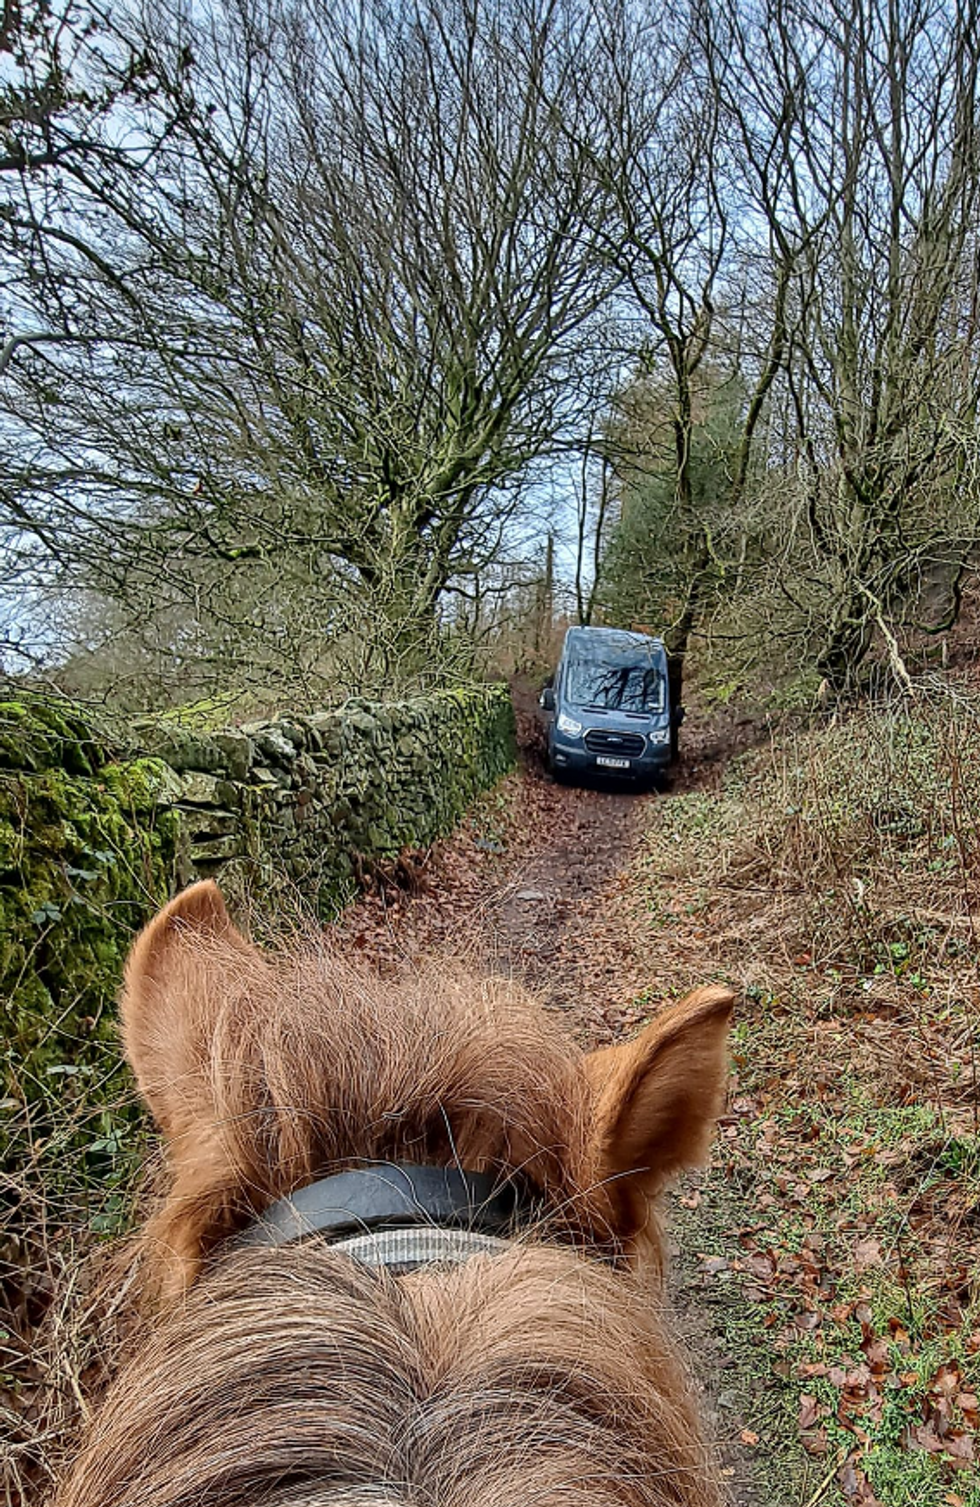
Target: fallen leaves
[(867, 1253), (840, 1217), (811, 1412), (855, 1485)]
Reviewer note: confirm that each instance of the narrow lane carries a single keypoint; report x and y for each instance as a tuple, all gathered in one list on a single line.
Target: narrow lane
[(541, 886)]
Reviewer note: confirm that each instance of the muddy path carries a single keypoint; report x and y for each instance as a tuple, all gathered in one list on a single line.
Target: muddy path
[(527, 887), (537, 883), (539, 886), (551, 898), (542, 925)]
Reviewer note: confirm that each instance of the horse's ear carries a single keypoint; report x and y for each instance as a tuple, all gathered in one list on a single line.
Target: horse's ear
[(171, 992), (657, 1099)]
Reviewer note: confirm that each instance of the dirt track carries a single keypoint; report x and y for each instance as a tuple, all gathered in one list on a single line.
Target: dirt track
[(527, 886), (540, 889), (540, 927), (537, 884)]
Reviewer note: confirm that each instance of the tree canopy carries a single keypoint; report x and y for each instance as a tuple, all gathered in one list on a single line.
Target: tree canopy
[(299, 299)]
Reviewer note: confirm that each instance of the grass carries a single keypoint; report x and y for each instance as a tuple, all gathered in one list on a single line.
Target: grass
[(761, 1453), (828, 1286), (838, 871)]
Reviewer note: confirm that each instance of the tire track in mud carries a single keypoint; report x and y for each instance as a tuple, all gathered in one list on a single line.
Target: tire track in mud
[(551, 923), (539, 928), (526, 889)]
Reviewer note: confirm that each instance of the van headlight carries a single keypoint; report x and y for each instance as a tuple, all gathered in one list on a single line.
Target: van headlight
[(660, 735), (567, 724)]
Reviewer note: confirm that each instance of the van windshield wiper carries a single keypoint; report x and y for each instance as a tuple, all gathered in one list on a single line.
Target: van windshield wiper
[(591, 706)]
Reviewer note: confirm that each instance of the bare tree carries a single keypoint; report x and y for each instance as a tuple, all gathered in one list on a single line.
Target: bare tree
[(70, 76), (797, 224), (592, 506), (676, 175), (873, 183), (297, 298), (341, 296)]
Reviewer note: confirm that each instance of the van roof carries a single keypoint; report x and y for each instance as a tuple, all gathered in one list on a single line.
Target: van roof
[(612, 645)]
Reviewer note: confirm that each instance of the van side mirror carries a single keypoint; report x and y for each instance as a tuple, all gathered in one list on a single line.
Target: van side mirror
[(547, 699)]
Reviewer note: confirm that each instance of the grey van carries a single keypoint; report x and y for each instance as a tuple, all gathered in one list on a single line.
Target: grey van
[(608, 709)]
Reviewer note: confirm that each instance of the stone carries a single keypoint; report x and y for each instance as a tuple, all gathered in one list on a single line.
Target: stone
[(143, 784), (364, 723), (314, 740), (275, 746), (177, 747), (305, 768), (216, 847), (237, 750), (199, 789), (210, 823)]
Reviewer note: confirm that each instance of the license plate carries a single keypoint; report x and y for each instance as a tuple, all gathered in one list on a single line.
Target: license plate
[(612, 763)]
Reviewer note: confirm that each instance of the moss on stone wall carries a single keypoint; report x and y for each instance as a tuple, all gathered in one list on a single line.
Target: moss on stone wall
[(86, 855), (95, 835), (401, 776)]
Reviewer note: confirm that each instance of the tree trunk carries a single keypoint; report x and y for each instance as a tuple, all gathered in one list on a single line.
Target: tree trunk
[(846, 646), (677, 639)]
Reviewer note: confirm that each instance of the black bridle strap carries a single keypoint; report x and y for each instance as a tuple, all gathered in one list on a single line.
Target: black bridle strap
[(392, 1195)]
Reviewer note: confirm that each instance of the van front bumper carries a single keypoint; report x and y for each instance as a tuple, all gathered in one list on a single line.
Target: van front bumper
[(570, 756)]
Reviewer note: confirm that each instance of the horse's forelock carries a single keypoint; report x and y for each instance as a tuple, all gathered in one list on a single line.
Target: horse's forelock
[(308, 1062)]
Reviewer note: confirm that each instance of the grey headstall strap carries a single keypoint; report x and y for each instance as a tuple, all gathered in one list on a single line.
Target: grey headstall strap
[(405, 1250), (399, 1215)]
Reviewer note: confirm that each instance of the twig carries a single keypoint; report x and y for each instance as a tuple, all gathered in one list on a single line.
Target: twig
[(828, 1478)]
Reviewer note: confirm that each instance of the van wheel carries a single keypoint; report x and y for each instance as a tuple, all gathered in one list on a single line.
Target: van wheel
[(675, 734)]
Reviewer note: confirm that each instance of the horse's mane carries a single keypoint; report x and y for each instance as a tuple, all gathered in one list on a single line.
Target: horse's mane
[(293, 1378)]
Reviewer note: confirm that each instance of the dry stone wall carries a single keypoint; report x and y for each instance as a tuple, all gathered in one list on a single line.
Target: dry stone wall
[(95, 834), (317, 796)]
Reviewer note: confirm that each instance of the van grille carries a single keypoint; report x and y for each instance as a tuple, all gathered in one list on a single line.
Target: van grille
[(619, 745)]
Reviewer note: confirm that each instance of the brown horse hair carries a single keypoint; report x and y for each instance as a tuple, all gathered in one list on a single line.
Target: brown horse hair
[(293, 1376)]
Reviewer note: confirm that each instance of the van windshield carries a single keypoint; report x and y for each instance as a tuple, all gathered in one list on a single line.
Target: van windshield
[(614, 688)]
